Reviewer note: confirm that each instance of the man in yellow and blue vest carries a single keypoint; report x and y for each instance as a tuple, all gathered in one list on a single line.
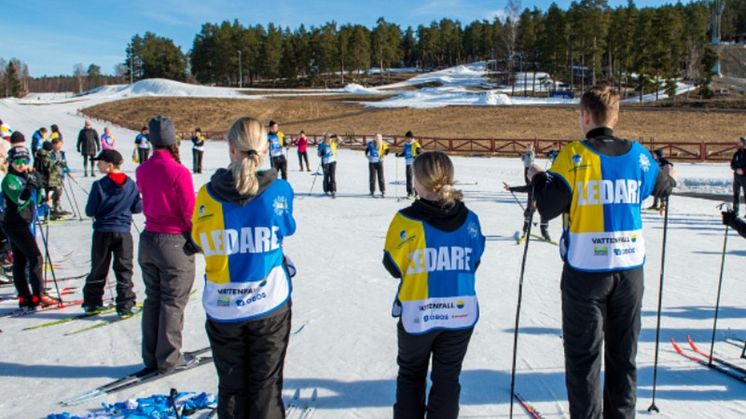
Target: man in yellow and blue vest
[(599, 184)]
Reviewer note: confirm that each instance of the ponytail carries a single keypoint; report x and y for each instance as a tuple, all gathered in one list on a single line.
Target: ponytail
[(249, 137), (244, 173), (434, 171)]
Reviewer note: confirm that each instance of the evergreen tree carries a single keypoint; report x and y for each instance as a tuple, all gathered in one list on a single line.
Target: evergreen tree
[(272, 53), (12, 80)]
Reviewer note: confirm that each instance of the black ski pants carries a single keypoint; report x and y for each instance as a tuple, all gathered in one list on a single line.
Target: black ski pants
[(280, 164), (330, 177), (739, 185), (601, 318), (143, 154), (303, 155), (448, 349), (376, 170), (409, 172), (86, 159), (197, 160), (26, 255), (249, 357), (104, 246)]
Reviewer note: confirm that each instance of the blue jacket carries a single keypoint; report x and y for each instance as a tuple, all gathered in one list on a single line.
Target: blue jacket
[(112, 205)]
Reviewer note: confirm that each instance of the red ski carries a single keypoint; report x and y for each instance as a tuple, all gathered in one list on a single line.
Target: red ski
[(736, 375)]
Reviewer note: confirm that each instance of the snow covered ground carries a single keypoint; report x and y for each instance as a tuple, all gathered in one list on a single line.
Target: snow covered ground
[(344, 340)]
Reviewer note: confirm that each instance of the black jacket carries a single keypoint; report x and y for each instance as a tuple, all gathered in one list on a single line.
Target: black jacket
[(739, 160), (442, 218), (554, 197), (88, 144), (223, 186)]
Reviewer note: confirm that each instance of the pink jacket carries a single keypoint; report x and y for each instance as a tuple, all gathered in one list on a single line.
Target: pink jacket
[(302, 143), (167, 194)]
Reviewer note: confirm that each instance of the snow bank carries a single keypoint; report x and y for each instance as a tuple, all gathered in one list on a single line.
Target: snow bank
[(469, 75), (162, 88), (681, 88), (356, 89)]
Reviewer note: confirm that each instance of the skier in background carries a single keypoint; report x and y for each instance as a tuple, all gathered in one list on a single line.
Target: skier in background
[(375, 151), (302, 143), (248, 335), (88, 146), (5, 131), (108, 142), (603, 250), (410, 151), (327, 150), (56, 133), (39, 137), (198, 150), (142, 145), (277, 153), (738, 165), (436, 303)]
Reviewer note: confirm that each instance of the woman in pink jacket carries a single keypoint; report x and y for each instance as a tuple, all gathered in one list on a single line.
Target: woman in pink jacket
[(302, 143), (107, 140), (164, 254)]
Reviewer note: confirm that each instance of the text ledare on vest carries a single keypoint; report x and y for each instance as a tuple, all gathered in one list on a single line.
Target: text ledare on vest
[(443, 258), (620, 191), (246, 240)]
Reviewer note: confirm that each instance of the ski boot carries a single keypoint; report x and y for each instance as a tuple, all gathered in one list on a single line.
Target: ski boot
[(545, 234), (27, 303), (93, 308), (47, 301), (125, 313)]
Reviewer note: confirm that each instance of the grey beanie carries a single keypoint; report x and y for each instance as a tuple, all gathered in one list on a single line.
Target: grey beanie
[(162, 131)]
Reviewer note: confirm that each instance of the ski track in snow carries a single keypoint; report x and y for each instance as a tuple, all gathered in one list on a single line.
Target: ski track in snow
[(344, 341)]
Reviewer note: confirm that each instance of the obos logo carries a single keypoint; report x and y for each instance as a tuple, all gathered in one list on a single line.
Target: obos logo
[(280, 205), (473, 230), (460, 304), (644, 163)]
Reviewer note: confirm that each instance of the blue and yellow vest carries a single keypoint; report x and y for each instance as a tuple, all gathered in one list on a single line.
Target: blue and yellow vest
[(276, 144), (604, 229), (437, 273), (411, 150), (375, 152), (328, 152), (245, 277)]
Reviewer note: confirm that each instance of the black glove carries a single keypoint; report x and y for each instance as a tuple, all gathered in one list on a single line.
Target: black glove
[(729, 217), (399, 154), (33, 181), (190, 247)]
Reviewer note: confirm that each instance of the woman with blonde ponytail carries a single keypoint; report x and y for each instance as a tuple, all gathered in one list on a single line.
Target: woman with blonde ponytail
[(434, 247), (240, 220)]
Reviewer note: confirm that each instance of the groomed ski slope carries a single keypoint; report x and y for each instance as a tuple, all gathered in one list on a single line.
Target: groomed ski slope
[(344, 340)]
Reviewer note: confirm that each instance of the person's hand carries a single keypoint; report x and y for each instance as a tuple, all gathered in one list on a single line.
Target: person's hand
[(670, 171), (739, 172), (506, 186), (728, 217), (33, 181)]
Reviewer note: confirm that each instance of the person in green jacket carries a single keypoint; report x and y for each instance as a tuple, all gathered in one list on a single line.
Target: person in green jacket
[(20, 189)]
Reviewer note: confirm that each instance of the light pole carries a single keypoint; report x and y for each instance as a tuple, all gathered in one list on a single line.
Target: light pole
[(240, 75)]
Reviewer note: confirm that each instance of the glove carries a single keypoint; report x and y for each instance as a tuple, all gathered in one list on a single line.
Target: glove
[(33, 181), (190, 247), (729, 217)]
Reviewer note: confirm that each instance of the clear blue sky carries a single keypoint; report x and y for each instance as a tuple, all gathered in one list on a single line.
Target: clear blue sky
[(51, 36)]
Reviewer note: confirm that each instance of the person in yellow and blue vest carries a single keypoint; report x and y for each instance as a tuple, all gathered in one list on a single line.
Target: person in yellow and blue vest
[(198, 150), (375, 151), (410, 150), (599, 184), (434, 247), (241, 218), (327, 150), (277, 146)]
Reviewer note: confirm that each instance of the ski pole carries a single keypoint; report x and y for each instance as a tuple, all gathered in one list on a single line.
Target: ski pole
[(69, 200), (172, 396), (720, 287), (518, 307), (46, 254), (315, 175), (80, 217), (653, 407), (514, 197), (398, 198), (78, 183)]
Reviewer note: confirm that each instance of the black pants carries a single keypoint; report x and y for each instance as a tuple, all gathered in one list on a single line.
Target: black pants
[(410, 189), (105, 245), (249, 358), (26, 255), (281, 165), (601, 309), (197, 160), (86, 159), (543, 222), (448, 348), (376, 169), (303, 155), (143, 154), (330, 180), (739, 185)]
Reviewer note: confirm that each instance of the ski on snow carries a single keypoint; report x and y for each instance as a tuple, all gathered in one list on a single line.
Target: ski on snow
[(106, 322), (715, 358), (528, 407), (294, 409), (25, 312), (72, 318), (716, 366), (139, 378)]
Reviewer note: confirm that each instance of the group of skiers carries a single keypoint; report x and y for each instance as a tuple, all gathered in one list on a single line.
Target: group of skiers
[(241, 217)]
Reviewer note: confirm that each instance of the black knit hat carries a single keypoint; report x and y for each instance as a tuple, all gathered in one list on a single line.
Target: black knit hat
[(17, 138), (19, 153), (162, 131), (409, 134)]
